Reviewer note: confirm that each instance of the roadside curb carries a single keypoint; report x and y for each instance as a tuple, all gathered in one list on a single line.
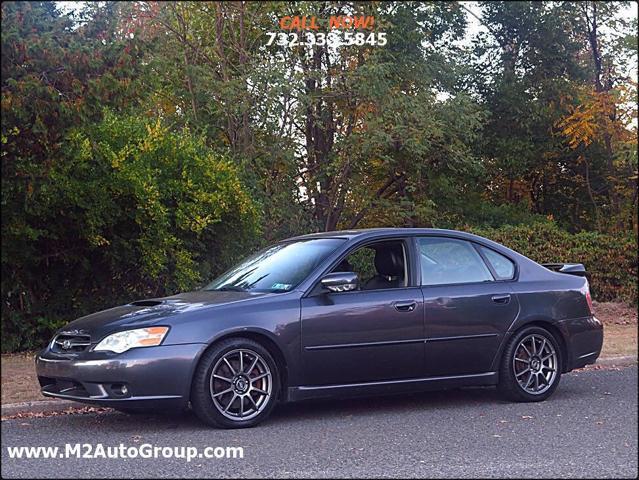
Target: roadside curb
[(47, 406), (618, 360), (39, 406)]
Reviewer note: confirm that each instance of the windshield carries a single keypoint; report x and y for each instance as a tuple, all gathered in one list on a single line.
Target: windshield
[(278, 268)]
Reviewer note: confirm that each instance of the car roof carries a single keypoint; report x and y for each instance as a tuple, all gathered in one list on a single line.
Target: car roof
[(373, 233), (380, 232)]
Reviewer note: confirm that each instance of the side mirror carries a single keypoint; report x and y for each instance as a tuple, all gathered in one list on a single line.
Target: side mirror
[(340, 281)]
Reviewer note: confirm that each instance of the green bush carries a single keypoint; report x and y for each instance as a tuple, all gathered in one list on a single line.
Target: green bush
[(131, 210), (481, 213), (611, 260)]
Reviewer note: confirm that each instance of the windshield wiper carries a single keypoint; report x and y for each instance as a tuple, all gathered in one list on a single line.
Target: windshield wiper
[(230, 288), (261, 278)]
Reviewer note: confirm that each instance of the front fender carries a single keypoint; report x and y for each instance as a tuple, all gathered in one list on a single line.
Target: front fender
[(275, 319)]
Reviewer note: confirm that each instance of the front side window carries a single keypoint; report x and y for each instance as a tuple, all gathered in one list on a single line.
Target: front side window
[(278, 268), (503, 267), (448, 261), (379, 266)]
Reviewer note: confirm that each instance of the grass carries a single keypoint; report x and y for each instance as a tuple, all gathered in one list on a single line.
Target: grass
[(19, 381), (620, 340)]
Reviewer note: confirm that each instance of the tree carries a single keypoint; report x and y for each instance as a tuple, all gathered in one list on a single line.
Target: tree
[(603, 124), (144, 144), (370, 119), (93, 215), (535, 68), (132, 209)]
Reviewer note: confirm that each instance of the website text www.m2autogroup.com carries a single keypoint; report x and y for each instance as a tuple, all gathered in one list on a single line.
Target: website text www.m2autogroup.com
[(121, 451)]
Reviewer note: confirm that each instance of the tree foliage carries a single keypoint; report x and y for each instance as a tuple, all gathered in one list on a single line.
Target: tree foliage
[(610, 260), (130, 209), (144, 144), (561, 110)]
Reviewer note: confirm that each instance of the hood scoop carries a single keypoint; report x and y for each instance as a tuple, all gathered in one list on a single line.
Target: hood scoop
[(147, 303)]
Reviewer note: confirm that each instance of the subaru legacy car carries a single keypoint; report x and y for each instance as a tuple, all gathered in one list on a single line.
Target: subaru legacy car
[(359, 312)]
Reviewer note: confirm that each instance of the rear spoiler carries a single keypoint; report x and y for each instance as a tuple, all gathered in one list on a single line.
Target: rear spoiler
[(570, 268)]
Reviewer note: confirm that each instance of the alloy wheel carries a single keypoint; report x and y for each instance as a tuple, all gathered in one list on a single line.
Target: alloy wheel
[(241, 384), (535, 364)]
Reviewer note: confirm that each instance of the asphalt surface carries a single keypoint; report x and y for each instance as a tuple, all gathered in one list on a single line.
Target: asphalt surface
[(587, 429)]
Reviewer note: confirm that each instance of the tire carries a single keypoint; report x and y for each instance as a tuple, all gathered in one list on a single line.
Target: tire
[(523, 368), (226, 393)]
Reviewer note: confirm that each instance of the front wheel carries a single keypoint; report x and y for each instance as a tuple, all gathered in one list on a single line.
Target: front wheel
[(531, 366), (236, 384)]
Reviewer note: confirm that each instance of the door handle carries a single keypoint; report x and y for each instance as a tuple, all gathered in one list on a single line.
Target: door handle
[(501, 299), (405, 306)]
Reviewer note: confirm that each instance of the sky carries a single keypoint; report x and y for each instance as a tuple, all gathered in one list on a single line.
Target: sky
[(474, 25)]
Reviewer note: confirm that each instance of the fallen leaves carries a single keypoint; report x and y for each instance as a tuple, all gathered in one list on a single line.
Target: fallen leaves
[(68, 411), (598, 367), (615, 313)]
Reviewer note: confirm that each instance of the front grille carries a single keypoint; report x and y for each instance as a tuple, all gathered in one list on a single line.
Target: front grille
[(70, 343)]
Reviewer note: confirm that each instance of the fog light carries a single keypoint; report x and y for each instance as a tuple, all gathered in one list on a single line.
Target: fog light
[(120, 389)]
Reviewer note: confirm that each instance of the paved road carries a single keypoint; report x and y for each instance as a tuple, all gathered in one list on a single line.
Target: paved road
[(587, 429)]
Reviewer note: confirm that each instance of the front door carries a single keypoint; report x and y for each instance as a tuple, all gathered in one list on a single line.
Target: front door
[(372, 334)]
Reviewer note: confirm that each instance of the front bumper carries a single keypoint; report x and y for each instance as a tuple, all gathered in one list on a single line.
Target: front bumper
[(141, 377)]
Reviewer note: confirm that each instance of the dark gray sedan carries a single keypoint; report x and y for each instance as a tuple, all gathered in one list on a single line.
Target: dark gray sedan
[(339, 313)]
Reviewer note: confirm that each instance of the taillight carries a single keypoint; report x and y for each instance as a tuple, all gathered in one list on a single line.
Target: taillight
[(589, 298)]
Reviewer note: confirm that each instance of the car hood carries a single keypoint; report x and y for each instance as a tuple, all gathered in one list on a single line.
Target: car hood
[(142, 313)]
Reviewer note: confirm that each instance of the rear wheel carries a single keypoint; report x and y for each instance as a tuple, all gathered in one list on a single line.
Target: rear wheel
[(236, 384), (531, 366)]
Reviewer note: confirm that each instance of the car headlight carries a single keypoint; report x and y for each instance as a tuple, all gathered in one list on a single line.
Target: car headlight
[(140, 337)]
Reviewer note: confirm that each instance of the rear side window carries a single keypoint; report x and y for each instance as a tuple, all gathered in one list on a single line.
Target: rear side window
[(503, 267), (448, 260)]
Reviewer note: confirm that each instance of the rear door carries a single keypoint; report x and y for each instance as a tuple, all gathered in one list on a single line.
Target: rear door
[(468, 304)]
